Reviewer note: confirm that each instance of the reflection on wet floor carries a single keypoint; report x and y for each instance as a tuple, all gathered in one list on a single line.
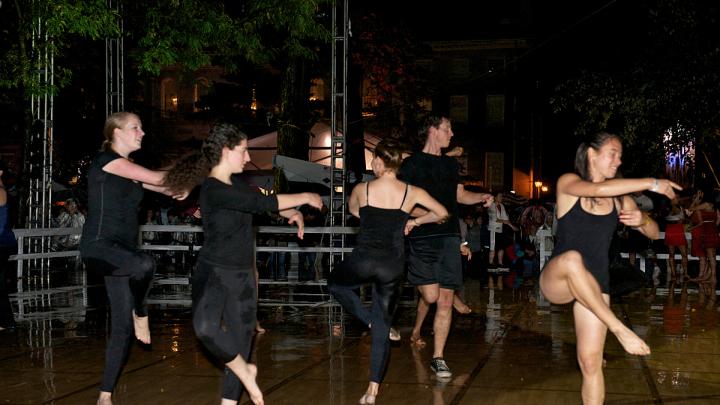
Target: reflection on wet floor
[(514, 348)]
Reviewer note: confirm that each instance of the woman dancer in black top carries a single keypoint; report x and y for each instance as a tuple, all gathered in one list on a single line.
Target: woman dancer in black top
[(589, 204), (383, 206), (223, 287), (109, 239)]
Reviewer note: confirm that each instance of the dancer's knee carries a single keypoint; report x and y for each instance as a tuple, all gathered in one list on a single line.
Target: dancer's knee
[(429, 295), (204, 331), (571, 261), (145, 267), (444, 301), (590, 362)]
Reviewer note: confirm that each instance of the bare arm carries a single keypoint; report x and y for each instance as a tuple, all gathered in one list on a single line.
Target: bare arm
[(630, 215), (571, 184), (471, 198), (124, 168), (151, 179), (286, 201), (436, 212), (354, 201)]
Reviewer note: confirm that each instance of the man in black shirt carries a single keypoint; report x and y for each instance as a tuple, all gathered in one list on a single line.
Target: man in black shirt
[(434, 264)]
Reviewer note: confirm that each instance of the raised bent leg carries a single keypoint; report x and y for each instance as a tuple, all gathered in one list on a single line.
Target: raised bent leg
[(565, 279)]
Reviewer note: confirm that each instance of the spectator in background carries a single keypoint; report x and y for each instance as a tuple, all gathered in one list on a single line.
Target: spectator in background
[(705, 239), (70, 217), (532, 218), (675, 239)]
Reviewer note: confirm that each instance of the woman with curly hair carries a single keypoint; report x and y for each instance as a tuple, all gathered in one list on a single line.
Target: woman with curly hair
[(224, 291), (109, 239), (590, 202)]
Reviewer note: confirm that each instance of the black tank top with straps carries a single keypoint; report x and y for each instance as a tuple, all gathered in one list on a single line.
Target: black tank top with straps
[(382, 228), (590, 235)]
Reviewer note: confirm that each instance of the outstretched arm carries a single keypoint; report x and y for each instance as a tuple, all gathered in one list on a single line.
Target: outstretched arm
[(472, 198), (571, 184), (151, 179), (286, 201)]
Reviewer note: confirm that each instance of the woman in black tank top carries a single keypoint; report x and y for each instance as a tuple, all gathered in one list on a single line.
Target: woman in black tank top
[(383, 206), (589, 204)]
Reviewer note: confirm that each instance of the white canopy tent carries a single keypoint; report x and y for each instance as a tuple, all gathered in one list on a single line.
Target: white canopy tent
[(264, 148), (263, 157)]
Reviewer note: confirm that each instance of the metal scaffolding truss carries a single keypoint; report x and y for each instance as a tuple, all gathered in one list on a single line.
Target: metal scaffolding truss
[(39, 142), (114, 65), (338, 123)]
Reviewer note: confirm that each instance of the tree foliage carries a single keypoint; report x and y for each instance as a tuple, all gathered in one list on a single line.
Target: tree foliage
[(673, 84), (61, 23), (388, 56)]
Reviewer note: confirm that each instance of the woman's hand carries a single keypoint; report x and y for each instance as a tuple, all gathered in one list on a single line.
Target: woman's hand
[(314, 200), (180, 195), (465, 250), (296, 218), (666, 188), (633, 218)]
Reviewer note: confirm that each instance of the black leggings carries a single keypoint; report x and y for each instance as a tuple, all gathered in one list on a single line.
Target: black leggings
[(128, 273), (224, 314), (384, 272)]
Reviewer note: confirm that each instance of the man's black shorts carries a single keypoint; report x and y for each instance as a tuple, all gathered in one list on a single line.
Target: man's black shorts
[(435, 260)]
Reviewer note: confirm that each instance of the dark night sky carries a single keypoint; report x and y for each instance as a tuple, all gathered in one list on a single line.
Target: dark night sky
[(565, 38)]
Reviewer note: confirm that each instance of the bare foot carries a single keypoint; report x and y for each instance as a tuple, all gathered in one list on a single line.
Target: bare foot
[(417, 341), (367, 399), (337, 330), (104, 398), (461, 307), (247, 377), (259, 329), (142, 328), (394, 335), (632, 342)]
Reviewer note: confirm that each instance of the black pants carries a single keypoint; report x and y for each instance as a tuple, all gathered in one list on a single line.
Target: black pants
[(128, 273), (6, 313), (384, 272), (224, 314)]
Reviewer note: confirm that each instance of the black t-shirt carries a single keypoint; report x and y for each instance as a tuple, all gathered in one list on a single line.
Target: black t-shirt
[(227, 212), (113, 203), (439, 176)]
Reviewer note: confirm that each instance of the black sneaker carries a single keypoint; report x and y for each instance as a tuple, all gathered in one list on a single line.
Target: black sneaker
[(440, 368)]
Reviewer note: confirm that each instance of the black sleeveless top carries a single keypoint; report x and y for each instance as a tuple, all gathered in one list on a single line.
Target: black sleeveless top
[(590, 235), (382, 229), (113, 203)]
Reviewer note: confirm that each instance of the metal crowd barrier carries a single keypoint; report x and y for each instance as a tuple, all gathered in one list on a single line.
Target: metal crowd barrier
[(35, 288)]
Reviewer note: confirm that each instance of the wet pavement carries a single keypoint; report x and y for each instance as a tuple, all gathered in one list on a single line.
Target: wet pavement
[(513, 349)]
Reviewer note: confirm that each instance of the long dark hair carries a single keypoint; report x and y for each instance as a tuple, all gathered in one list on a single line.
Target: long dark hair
[(582, 166), (191, 170)]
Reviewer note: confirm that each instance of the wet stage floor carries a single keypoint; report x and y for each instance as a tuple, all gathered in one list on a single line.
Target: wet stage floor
[(513, 349)]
